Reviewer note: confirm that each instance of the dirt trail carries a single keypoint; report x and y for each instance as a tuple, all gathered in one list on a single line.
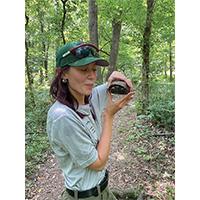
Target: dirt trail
[(127, 170)]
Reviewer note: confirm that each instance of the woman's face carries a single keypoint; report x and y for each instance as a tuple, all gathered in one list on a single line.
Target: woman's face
[(81, 80)]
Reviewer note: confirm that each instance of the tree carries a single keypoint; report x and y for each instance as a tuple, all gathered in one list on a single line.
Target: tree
[(146, 54), (44, 43), (63, 20), (115, 13), (170, 60), (93, 22), (116, 30), (93, 29), (163, 35), (28, 69)]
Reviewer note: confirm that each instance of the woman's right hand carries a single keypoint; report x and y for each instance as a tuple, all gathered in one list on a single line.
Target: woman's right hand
[(114, 106)]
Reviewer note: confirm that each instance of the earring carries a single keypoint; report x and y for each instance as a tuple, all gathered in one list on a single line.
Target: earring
[(64, 80)]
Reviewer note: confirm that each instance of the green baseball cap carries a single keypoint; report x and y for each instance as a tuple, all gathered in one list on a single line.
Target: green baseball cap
[(65, 57)]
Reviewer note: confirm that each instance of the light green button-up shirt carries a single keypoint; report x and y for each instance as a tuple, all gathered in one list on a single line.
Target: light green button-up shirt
[(74, 140)]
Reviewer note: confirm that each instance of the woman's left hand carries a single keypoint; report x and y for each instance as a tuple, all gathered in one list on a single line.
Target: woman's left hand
[(120, 76)]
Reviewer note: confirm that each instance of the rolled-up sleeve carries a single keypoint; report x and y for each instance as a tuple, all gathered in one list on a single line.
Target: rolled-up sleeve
[(100, 97)]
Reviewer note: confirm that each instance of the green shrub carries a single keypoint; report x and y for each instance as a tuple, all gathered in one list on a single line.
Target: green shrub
[(161, 108), (36, 152), (35, 125)]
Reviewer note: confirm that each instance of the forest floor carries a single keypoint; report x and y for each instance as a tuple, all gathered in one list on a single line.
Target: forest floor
[(141, 163)]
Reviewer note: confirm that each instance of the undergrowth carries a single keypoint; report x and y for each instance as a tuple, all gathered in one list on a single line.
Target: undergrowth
[(36, 143), (155, 154)]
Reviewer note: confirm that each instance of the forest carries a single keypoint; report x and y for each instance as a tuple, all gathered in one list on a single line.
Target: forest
[(139, 37)]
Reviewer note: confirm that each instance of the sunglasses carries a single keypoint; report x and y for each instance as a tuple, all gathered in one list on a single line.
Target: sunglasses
[(84, 50)]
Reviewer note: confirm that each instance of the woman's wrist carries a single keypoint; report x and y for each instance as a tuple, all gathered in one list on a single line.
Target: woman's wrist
[(107, 115)]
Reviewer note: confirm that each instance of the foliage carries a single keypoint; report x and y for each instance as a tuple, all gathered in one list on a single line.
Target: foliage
[(162, 107), (35, 152), (36, 137)]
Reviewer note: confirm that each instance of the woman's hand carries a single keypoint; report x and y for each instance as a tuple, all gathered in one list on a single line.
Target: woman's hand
[(120, 76), (114, 106)]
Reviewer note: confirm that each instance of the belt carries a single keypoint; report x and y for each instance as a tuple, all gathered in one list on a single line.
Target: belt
[(91, 192)]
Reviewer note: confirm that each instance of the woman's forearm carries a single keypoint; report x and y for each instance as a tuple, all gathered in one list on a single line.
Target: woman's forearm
[(103, 147)]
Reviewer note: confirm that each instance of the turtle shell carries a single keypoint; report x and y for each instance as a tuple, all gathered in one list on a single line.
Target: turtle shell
[(119, 87)]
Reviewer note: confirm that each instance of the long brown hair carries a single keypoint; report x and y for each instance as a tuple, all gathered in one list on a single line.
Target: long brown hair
[(60, 92)]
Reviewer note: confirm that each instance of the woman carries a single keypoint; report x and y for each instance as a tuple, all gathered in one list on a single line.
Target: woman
[(79, 123)]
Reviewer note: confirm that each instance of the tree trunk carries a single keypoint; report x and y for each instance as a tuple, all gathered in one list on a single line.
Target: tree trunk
[(28, 69), (116, 30), (93, 30), (165, 69), (146, 55), (46, 61), (45, 48), (63, 20), (93, 22), (170, 61)]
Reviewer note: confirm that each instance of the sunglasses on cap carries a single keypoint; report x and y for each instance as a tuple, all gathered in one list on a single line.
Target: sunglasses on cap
[(84, 50)]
